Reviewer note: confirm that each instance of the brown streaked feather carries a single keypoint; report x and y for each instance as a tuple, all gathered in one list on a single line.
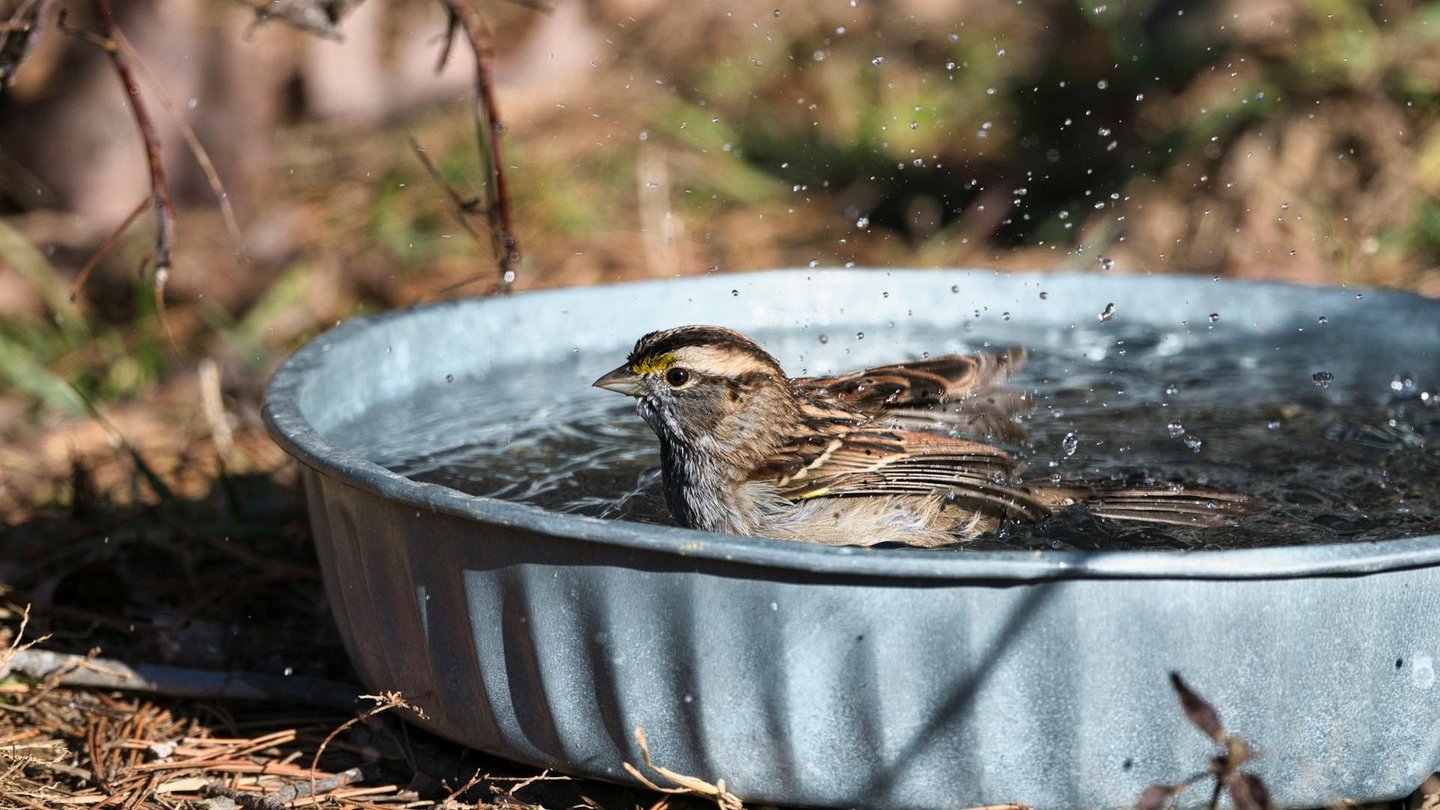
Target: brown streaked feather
[(919, 383), (1176, 505), (875, 462), (991, 415), (958, 393)]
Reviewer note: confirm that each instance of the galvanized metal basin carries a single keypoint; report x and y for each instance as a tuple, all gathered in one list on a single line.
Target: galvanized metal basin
[(834, 676)]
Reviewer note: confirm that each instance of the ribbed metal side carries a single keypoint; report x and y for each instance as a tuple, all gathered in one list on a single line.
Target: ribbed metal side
[(823, 676), (883, 693)]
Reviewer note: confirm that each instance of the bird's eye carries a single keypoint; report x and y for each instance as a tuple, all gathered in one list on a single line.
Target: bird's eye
[(677, 377)]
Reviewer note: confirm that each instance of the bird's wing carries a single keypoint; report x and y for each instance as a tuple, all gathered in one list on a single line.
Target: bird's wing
[(958, 393), (918, 384), (871, 461)]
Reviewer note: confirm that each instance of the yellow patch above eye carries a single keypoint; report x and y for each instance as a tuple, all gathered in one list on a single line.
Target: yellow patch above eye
[(647, 365)]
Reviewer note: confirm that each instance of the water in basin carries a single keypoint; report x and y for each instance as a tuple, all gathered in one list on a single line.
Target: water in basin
[(1333, 443)]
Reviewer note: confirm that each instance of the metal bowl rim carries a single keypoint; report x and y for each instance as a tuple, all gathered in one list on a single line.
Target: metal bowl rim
[(289, 428)]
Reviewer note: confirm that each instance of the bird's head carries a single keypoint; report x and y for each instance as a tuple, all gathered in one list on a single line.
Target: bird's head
[(703, 386)]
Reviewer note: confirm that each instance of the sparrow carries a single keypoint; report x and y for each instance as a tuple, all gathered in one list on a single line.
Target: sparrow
[(907, 453)]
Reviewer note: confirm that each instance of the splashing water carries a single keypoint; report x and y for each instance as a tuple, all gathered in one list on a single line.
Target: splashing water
[(1356, 460)]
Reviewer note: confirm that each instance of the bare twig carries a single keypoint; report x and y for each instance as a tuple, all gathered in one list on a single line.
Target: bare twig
[(287, 794), (159, 190), (100, 673), (461, 208), (105, 247), (19, 34), (17, 644), (383, 702), (197, 149), (488, 130)]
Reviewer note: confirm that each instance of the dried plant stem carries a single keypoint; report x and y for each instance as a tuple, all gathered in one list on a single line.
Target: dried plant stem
[(105, 248), (159, 189), (684, 784), (285, 795), (197, 149), (461, 208), (101, 673), (383, 703), (489, 129)]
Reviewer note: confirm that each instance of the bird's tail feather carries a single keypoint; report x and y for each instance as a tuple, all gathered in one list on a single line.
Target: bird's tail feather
[(1168, 505)]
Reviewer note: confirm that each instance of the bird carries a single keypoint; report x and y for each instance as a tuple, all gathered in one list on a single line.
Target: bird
[(909, 453)]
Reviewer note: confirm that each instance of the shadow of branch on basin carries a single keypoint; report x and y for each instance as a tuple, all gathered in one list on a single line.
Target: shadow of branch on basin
[(965, 690)]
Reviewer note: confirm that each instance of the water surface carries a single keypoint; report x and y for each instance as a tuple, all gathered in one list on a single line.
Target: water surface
[(1334, 443)]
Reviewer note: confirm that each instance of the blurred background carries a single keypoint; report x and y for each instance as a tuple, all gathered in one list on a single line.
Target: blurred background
[(1261, 139), (145, 511)]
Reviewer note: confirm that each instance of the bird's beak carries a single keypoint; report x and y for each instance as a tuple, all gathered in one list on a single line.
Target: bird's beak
[(622, 381)]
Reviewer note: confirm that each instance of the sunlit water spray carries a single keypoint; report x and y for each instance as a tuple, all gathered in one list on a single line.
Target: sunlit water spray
[(1333, 444)]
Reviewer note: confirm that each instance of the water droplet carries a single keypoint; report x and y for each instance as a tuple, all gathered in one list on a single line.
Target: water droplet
[(1044, 296), (1175, 429), (1403, 385), (1193, 443), (735, 293), (859, 335), (1108, 312), (777, 12), (449, 378), (1106, 262), (914, 124), (1004, 316), (878, 61), (1214, 317), (1171, 389), (1323, 320), (824, 338), (1069, 444), (954, 288), (1322, 378), (862, 222)]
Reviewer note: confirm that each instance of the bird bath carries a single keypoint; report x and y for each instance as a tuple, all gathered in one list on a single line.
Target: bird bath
[(1028, 668)]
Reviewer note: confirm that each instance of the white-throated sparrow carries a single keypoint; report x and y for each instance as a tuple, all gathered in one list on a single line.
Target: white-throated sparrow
[(856, 459)]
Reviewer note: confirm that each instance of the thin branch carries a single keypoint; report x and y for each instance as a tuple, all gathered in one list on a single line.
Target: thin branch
[(105, 247), (197, 149), (159, 190), (488, 130), (19, 34), (285, 795), (383, 702), (461, 208), (100, 673)]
